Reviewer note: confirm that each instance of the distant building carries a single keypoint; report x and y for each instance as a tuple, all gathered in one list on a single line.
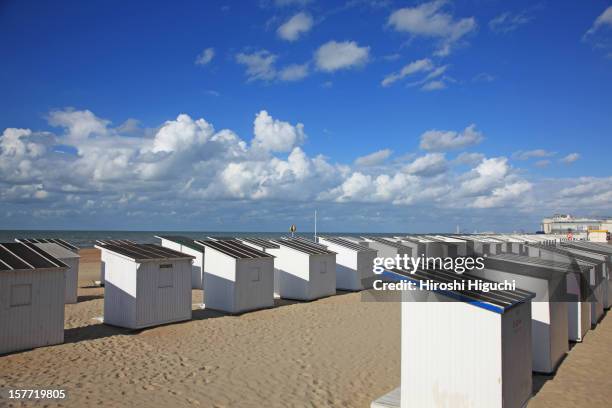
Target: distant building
[(564, 223)]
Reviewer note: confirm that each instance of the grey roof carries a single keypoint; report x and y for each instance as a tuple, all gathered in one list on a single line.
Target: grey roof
[(348, 244), (234, 248), (57, 251), (305, 246), (386, 242), (185, 241), (521, 259), (58, 241), (602, 249), (260, 242), (145, 252), (26, 256), (114, 242), (499, 300), (568, 253)]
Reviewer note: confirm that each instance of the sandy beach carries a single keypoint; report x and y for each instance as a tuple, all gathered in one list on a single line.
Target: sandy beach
[(337, 351)]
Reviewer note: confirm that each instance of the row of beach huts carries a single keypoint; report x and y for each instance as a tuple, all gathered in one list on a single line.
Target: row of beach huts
[(457, 345)]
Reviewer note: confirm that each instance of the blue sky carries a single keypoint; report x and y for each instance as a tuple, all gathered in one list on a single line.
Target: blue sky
[(501, 114)]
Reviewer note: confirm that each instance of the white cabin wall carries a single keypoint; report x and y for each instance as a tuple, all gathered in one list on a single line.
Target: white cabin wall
[(120, 291), (451, 356), (219, 280), (72, 279), (163, 304), (322, 276), (293, 273), (40, 323), (517, 350), (254, 291)]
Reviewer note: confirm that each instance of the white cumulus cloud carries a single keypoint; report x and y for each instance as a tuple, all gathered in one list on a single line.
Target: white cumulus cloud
[(295, 27), (430, 20), (442, 140), (333, 55)]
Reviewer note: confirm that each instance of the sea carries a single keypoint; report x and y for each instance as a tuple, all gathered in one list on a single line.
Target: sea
[(87, 239)]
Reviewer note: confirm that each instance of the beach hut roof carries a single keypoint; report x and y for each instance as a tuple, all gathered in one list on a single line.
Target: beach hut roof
[(521, 259), (498, 301), (264, 243), (386, 242), (348, 244), (304, 245), (234, 249), (26, 256), (57, 251), (185, 241), (58, 241), (145, 252), (114, 242), (588, 246), (567, 252)]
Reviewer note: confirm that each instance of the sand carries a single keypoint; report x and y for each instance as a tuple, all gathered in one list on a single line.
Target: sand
[(337, 351)]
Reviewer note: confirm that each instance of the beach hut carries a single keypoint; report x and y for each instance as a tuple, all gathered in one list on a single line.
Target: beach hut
[(65, 252), (306, 270), (577, 286), (483, 246), (463, 347), (188, 246), (145, 285), (512, 244), (264, 245), (387, 247), (32, 295), (603, 252), (354, 263), (238, 278), (101, 243), (597, 278), (549, 316)]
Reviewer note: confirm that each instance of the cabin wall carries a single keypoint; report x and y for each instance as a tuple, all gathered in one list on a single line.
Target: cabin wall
[(72, 279), (322, 276), (549, 319), (516, 355), (292, 272), (465, 371), (163, 293), (120, 291), (31, 309), (348, 273), (254, 287), (219, 281)]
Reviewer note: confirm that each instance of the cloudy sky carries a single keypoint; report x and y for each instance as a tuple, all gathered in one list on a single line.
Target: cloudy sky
[(382, 115)]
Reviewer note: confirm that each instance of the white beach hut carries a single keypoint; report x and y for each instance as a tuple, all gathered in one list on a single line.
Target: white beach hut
[(145, 285), (354, 263), (101, 243), (32, 294), (238, 278), (455, 247), (601, 249), (463, 347), (597, 278), (387, 247), (306, 270), (65, 252), (264, 245), (577, 286), (188, 246), (512, 244), (549, 310), (605, 254)]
